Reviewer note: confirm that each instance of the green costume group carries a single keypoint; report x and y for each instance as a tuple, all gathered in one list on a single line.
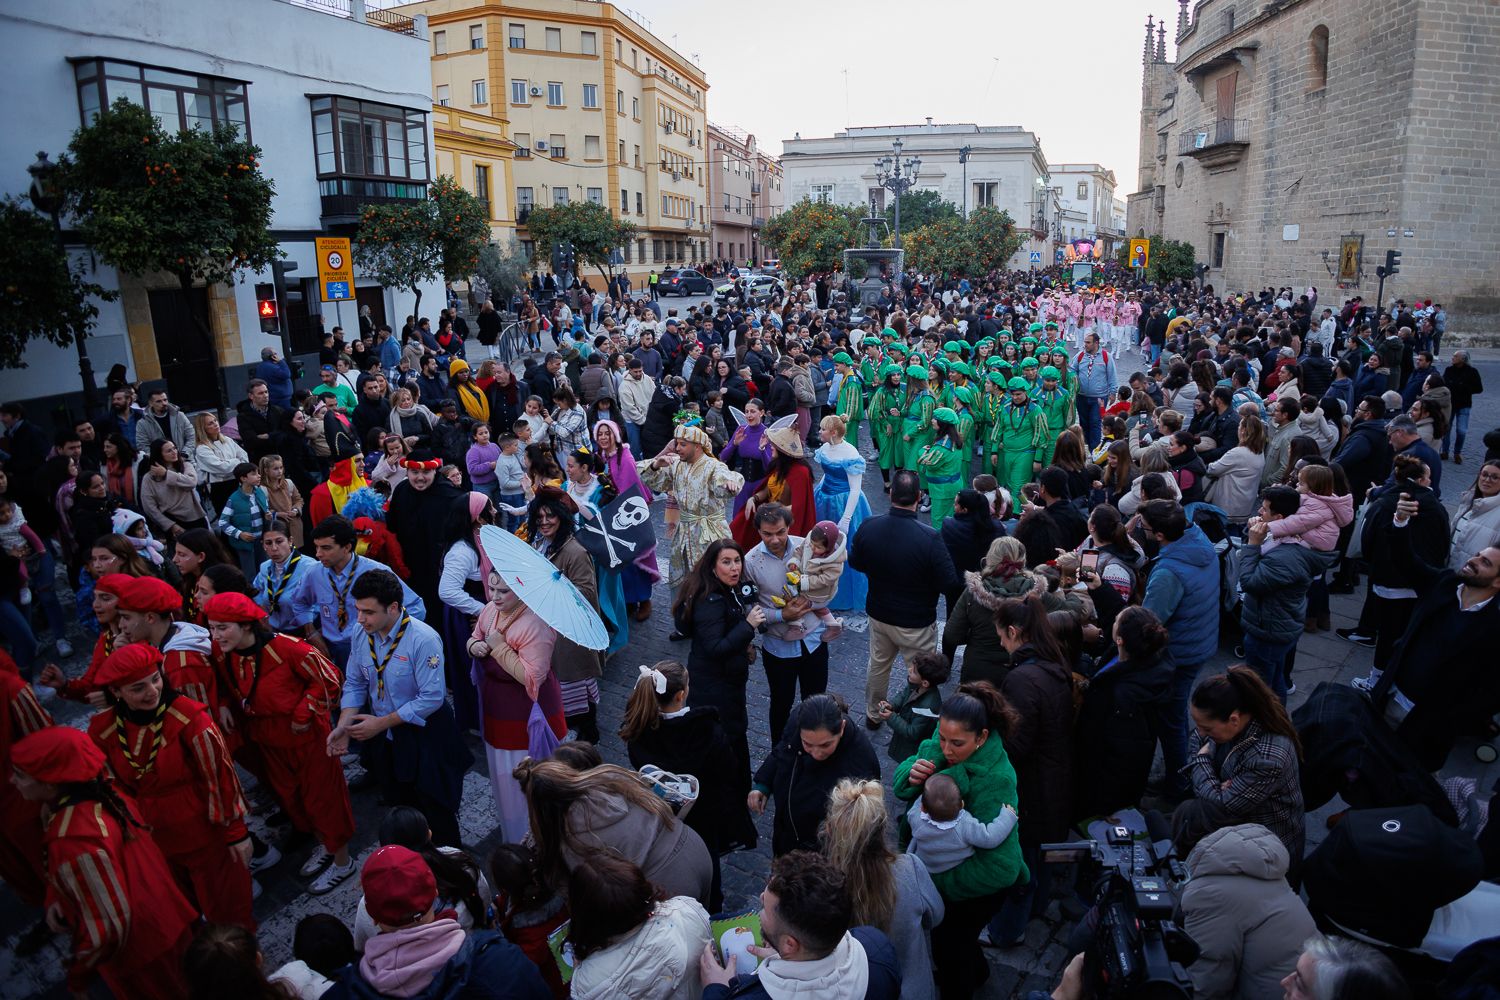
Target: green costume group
[(1012, 433)]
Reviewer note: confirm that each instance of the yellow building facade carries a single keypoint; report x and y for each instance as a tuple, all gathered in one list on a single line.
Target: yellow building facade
[(589, 106)]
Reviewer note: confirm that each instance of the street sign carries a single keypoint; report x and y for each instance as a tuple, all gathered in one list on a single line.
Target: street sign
[(335, 269), (1140, 253), (1036, 256), (1059, 255)]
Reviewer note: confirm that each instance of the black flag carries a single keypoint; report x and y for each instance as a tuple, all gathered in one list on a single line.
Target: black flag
[(621, 531)]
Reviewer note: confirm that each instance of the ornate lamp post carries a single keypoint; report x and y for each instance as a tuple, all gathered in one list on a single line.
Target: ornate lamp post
[(47, 197), (897, 176), (963, 159)]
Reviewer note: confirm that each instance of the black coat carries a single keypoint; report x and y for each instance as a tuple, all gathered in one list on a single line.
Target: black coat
[(504, 413), (1041, 744), (695, 744), (780, 397), (719, 658), (1317, 376), (966, 545), (1116, 733), (1427, 535), (799, 786), (252, 424), (657, 430), (1190, 472), (1059, 525), (1365, 457), (908, 566), (489, 327)]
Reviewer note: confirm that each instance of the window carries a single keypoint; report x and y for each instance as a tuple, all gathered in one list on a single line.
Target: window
[(1177, 173), (986, 193), (624, 202), (619, 50), (442, 94), (634, 62), (640, 247), (1229, 20), (517, 33), (554, 94), (637, 160), (518, 91), (622, 152), (626, 250), (369, 140), (726, 201), (559, 196), (620, 102), (591, 149), (591, 95), (554, 39), (476, 36), (178, 100), (596, 196), (481, 92), (1317, 58), (524, 203), (522, 139), (559, 147), (588, 43), (738, 205), (1218, 249), (482, 186), (635, 108), (640, 210), (656, 250), (720, 245), (1083, 190), (439, 43), (822, 192)]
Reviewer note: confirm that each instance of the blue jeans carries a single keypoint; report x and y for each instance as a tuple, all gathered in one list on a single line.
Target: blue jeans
[(1269, 660), (1176, 728), (1024, 901), (510, 522), (16, 629), (1155, 351), (1459, 427), (1088, 418), (633, 435), (44, 592)]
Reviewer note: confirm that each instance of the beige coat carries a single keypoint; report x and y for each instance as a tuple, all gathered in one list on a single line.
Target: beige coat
[(570, 661)]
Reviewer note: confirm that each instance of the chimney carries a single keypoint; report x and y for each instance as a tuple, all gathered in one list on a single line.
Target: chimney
[(1161, 42), (1184, 21), (1150, 30)]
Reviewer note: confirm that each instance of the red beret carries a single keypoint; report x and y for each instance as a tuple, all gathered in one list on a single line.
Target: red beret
[(149, 593), (232, 607), (128, 664), (111, 583), (399, 887), (58, 755)]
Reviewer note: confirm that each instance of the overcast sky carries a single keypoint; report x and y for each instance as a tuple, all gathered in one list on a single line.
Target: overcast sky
[(1070, 72)]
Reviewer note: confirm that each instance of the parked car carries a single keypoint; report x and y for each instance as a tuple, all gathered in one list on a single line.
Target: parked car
[(754, 289), (684, 281)]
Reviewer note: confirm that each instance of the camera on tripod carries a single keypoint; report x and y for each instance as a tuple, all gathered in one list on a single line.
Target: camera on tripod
[(1138, 951)]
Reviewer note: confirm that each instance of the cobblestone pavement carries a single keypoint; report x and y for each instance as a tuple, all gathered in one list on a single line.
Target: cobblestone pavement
[(1031, 965)]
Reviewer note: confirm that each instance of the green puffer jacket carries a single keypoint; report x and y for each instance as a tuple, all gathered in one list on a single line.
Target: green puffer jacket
[(987, 782)]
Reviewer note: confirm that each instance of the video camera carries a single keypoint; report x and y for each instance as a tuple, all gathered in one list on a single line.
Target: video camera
[(1137, 952)]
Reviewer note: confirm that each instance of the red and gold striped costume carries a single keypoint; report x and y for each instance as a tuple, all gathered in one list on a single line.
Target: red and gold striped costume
[(190, 796), (21, 851), (130, 922)]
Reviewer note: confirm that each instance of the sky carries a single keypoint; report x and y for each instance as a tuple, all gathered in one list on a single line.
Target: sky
[(1069, 72)]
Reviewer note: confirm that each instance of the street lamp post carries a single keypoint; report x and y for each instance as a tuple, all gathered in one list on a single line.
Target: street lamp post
[(47, 197), (897, 176), (963, 159)]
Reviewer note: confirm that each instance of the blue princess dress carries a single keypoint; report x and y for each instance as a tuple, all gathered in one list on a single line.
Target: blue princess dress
[(843, 474)]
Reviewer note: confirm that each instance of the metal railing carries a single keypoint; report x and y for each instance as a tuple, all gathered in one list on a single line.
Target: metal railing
[(364, 12), (1215, 133)]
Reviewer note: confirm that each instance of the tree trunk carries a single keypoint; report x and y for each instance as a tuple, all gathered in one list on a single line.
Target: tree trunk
[(416, 310)]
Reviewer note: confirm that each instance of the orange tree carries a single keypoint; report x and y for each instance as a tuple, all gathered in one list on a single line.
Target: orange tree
[(44, 294), (407, 244), (993, 238), (813, 235), (194, 205), (975, 246)]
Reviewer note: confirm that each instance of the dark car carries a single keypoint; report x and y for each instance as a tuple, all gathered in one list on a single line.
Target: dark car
[(684, 281)]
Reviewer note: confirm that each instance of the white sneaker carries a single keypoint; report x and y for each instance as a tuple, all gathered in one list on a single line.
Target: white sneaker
[(25, 596), (320, 858), (333, 876), (1367, 684), (64, 648), (270, 856)]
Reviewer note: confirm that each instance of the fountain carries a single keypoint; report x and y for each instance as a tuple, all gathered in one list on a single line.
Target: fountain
[(880, 264)]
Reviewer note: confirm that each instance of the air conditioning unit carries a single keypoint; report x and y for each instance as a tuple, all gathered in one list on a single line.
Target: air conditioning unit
[(541, 146), (536, 91)]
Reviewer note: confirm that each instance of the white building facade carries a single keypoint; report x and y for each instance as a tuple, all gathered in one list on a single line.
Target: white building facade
[(1087, 194), (1006, 168), (339, 105)]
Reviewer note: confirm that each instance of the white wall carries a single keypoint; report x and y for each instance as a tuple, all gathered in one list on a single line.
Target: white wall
[(285, 52)]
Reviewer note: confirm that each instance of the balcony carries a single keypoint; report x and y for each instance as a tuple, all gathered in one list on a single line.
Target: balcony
[(359, 10), (523, 212), (755, 188), (760, 222), (343, 198), (1216, 143)]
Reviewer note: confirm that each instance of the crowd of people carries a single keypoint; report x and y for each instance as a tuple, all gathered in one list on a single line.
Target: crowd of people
[(1101, 487)]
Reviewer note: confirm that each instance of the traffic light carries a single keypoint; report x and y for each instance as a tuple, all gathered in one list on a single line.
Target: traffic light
[(1392, 262), (267, 309)]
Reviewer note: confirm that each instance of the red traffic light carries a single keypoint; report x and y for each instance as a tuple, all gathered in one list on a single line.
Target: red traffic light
[(267, 308)]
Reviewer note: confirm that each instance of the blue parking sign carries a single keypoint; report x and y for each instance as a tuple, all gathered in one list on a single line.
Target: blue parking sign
[(336, 290)]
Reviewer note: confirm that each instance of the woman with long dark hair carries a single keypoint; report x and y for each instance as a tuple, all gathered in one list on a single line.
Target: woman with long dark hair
[(169, 491), (224, 963), (194, 552), (967, 534), (1039, 687), (1247, 766), (969, 748), (549, 526), (717, 608), (119, 467)]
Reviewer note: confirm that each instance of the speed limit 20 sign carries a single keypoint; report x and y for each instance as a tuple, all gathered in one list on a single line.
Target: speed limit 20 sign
[(335, 269)]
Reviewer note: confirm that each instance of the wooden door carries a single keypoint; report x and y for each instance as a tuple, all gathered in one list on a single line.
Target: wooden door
[(1224, 117), (188, 363)]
